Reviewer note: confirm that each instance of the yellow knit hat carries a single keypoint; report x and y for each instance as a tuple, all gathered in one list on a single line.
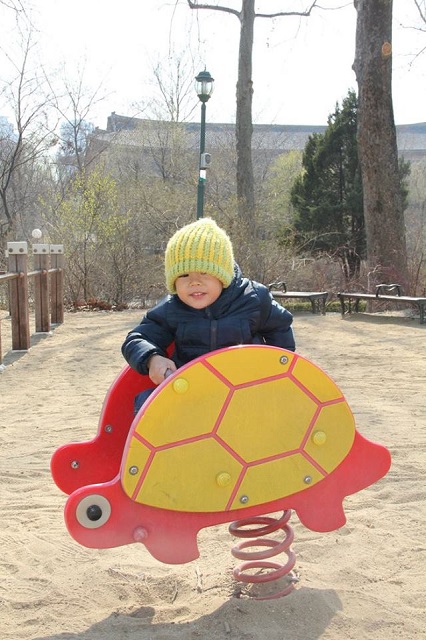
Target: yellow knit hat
[(200, 246)]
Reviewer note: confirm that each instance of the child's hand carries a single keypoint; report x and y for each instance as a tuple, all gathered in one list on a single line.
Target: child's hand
[(159, 368)]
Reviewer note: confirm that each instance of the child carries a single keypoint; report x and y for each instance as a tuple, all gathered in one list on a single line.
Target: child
[(210, 306)]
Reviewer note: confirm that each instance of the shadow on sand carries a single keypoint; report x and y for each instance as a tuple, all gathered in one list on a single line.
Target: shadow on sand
[(303, 615)]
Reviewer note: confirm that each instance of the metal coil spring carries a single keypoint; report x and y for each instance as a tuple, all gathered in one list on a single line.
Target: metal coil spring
[(264, 525)]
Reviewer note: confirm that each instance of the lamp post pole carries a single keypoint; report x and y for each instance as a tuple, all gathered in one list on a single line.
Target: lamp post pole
[(204, 88), (202, 172)]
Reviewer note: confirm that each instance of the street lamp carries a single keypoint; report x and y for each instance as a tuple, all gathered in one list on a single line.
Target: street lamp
[(204, 88)]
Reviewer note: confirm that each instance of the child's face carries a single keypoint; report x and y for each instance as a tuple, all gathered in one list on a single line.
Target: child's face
[(198, 290)]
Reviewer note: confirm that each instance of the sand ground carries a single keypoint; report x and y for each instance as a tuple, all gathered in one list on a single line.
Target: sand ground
[(366, 580)]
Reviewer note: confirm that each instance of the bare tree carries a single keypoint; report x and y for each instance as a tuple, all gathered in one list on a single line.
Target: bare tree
[(244, 122), (377, 144), (30, 136), (174, 81), (162, 134), (161, 145), (73, 102)]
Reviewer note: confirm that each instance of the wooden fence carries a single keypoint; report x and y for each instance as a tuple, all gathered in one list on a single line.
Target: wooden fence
[(48, 297)]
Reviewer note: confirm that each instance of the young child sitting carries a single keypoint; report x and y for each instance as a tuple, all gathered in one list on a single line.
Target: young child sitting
[(210, 306)]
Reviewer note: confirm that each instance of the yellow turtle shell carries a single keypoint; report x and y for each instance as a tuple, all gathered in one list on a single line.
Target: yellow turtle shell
[(236, 428)]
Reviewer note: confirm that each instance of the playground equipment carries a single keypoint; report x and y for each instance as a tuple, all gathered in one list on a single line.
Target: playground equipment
[(231, 436)]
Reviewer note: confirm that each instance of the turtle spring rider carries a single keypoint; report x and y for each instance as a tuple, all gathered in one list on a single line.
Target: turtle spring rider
[(231, 436)]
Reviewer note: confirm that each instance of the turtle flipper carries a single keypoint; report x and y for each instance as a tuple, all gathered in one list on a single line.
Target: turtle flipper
[(321, 507), (78, 464)]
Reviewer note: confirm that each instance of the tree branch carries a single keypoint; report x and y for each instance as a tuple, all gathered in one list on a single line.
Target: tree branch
[(421, 10), (213, 7), (278, 14), (193, 4)]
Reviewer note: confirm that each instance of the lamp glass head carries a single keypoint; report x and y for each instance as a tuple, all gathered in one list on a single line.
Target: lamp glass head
[(204, 85)]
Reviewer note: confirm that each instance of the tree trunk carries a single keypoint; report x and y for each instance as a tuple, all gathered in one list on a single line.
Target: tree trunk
[(244, 124), (377, 146)]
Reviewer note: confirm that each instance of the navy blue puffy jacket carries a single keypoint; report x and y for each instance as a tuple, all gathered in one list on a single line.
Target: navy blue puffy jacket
[(244, 313)]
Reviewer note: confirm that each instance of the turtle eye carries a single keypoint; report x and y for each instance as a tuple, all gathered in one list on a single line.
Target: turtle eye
[(93, 511)]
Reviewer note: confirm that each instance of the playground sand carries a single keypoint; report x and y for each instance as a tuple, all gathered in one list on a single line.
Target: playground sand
[(366, 580)]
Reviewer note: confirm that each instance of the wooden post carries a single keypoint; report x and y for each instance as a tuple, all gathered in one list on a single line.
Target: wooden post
[(18, 292), (57, 283), (42, 287)]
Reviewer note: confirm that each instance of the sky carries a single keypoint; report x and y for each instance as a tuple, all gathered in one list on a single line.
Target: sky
[(301, 66)]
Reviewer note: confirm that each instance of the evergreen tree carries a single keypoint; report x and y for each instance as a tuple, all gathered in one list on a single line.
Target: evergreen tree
[(327, 195)]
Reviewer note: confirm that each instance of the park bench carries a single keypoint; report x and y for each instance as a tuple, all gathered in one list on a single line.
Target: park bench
[(316, 298), (384, 293)]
